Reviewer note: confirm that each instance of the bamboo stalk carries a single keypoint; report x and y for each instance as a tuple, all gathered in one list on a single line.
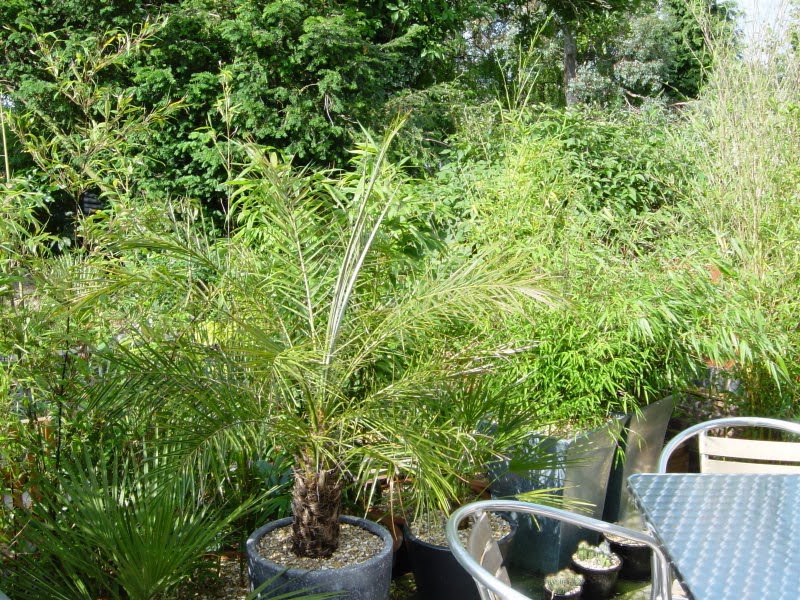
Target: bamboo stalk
[(5, 144)]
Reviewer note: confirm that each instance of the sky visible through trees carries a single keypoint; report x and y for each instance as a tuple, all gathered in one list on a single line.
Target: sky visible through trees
[(760, 14)]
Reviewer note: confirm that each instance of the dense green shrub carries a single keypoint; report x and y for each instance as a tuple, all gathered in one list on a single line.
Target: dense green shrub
[(742, 216), (579, 159), (109, 529)]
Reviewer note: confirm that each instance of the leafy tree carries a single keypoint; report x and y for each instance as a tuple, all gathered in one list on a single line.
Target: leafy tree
[(661, 49), (97, 127), (696, 26), (570, 13), (632, 60), (575, 24), (301, 73)]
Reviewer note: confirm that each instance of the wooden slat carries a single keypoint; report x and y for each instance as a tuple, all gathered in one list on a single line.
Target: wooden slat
[(734, 455), (753, 449), (709, 465)]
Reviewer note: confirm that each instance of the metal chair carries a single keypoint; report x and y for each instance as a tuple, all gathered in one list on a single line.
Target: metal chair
[(735, 455), (481, 559)]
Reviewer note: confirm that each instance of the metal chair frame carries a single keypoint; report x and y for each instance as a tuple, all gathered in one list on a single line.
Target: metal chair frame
[(701, 429), (491, 587)]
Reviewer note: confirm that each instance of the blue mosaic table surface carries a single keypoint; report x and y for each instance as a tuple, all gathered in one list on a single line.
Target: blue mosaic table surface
[(727, 536)]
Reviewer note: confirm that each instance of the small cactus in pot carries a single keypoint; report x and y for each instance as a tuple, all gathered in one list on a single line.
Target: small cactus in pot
[(600, 566), (563, 585)]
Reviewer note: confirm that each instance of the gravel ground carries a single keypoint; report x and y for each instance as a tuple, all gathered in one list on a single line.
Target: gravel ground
[(232, 584), (228, 583)]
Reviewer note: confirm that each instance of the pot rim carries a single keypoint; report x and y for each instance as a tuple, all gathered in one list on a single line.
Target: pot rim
[(623, 541), (570, 592), (589, 567), (409, 535), (370, 526)]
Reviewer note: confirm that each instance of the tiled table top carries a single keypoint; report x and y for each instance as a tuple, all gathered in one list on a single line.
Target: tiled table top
[(727, 536)]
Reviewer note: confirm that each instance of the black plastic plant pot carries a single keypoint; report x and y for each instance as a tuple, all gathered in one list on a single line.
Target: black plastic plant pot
[(599, 582), (636, 557), (368, 580), (401, 563), (437, 573)]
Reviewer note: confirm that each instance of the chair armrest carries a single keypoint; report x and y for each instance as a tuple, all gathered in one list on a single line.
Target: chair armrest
[(661, 574)]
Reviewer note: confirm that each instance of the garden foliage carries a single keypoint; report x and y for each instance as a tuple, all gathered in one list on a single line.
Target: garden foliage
[(166, 363)]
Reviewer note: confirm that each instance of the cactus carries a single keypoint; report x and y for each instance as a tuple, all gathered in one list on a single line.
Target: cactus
[(598, 557), (563, 582)]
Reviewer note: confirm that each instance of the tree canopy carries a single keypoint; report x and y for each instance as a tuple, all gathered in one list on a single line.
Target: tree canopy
[(299, 75), (304, 76)]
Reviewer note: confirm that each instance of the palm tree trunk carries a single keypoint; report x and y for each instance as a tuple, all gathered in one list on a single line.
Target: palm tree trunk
[(316, 506)]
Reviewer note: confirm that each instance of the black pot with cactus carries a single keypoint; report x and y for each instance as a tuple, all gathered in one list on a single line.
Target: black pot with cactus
[(600, 568)]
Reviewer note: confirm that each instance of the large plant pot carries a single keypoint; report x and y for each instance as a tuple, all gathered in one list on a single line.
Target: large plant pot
[(580, 469), (369, 580), (641, 442), (437, 573), (401, 564)]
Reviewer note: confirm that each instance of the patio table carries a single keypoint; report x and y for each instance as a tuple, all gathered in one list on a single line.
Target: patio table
[(727, 536)]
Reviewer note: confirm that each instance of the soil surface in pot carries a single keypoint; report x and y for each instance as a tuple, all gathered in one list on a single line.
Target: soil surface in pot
[(430, 528), (356, 545)]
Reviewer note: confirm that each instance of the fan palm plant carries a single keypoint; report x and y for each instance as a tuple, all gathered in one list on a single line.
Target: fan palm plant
[(306, 331), (107, 530)]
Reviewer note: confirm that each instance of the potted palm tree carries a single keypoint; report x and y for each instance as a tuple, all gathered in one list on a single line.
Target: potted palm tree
[(309, 331)]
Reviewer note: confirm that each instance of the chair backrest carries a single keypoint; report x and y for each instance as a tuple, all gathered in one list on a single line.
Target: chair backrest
[(482, 559), (719, 454), (484, 549)]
